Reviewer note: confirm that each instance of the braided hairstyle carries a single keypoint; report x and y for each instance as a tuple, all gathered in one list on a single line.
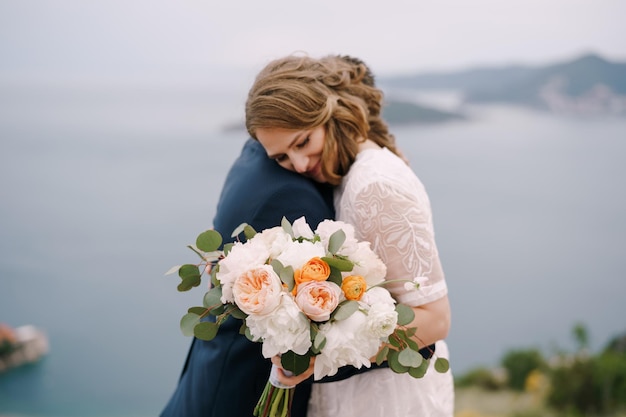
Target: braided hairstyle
[(300, 93)]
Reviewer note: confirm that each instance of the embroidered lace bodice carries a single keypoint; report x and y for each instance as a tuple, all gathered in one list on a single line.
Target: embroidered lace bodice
[(389, 207)]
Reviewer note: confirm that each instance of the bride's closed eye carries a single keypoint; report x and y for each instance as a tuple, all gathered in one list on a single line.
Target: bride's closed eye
[(303, 143)]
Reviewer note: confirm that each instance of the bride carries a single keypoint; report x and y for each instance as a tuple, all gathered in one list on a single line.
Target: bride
[(321, 118)]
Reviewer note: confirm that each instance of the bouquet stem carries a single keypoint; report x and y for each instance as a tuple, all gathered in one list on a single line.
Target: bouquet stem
[(275, 400)]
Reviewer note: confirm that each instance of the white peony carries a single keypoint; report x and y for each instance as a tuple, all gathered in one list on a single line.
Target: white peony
[(347, 343), (368, 264), (286, 328), (327, 227), (296, 254), (382, 317), (302, 229), (378, 295), (274, 239)]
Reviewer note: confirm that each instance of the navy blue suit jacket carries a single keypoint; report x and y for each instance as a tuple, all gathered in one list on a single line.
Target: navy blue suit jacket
[(226, 376)]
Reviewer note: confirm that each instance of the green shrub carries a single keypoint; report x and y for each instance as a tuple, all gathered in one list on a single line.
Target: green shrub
[(519, 364), (588, 384), (480, 377), (572, 387)]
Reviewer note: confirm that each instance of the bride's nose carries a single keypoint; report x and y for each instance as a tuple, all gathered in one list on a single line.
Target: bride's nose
[(300, 163)]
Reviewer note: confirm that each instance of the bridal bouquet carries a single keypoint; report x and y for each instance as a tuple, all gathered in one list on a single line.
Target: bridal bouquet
[(303, 293)]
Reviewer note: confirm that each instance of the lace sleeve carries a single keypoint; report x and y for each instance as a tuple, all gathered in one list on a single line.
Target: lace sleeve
[(398, 222)]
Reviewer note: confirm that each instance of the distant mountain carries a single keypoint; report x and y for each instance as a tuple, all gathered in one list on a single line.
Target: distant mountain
[(588, 84), (396, 112)]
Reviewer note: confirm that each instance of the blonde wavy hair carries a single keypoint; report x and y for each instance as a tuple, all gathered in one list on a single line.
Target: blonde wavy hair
[(300, 93)]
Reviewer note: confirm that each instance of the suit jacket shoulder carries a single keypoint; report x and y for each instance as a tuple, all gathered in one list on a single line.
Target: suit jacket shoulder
[(259, 192)]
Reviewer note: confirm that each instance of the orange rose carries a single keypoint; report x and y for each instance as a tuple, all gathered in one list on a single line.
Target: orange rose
[(314, 270), (354, 287)]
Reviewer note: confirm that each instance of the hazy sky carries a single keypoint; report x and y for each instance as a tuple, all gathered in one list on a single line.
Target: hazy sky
[(187, 39)]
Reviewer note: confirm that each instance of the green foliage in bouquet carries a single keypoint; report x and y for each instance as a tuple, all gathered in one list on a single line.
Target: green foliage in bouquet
[(402, 352)]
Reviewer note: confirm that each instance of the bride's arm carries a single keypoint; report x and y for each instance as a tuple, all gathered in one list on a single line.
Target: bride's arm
[(432, 321), (399, 226)]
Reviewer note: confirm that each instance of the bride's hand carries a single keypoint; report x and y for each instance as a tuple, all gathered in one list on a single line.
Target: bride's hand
[(294, 379)]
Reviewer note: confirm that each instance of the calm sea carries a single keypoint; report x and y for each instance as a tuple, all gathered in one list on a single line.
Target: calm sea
[(102, 189)]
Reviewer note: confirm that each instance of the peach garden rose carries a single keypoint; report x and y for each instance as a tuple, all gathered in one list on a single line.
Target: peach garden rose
[(318, 299), (257, 291)]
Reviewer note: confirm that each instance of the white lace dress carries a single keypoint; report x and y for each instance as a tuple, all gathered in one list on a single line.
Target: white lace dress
[(387, 204)]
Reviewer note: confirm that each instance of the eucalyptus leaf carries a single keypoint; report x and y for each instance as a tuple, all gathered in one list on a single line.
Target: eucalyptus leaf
[(404, 336), (209, 241), (393, 341), (205, 330), (193, 280), (212, 256), (213, 298), (382, 355), (401, 333), (336, 240), (319, 342), (249, 231), (217, 310), (249, 335), (412, 344), (295, 363), (335, 276), (237, 313), (286, 276), (188, 322), (410, 358), (243, 328), (228, 247), (172, 270), (238, 230), (420, 371), (188, 270), (197, 310), (284, 223), (442, 365), (341, 264), (277, 266), (213, 275), (405, 314), (189, 282), (345, 310), (394, 362)]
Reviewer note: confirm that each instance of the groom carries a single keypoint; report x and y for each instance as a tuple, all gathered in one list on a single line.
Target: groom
[(226, 376)]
